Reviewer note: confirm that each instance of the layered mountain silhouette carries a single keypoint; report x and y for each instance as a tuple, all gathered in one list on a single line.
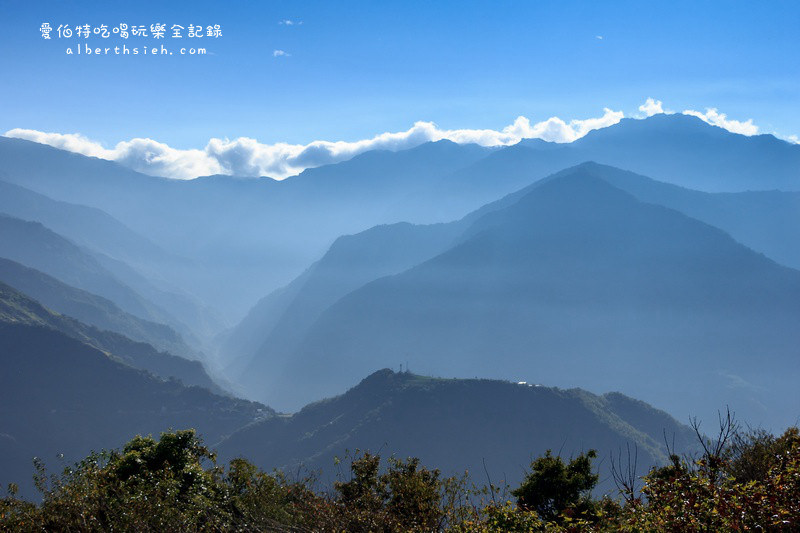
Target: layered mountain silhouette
[(684, 150), (71, 388), (575, 282), (90, 309), (766, 221), (258, 234), (280, 320), (771, 226), (35, 246), (133, 259), (64, 394), (86, 226), (519, 265), (20, 309), (488, 428)]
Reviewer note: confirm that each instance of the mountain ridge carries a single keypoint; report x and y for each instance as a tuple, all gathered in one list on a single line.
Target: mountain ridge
[(19, 308), (586, 256), (498, 424), (268, 232), (89, 308)]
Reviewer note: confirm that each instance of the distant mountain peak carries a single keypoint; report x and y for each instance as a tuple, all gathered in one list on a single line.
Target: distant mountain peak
[(533, 142), (582, 183), (675, 124), (670, 120), (387, 379)]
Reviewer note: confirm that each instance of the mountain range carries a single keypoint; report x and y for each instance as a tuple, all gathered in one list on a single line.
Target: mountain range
[(657, 258), (491, 429), (554, 285), (90, 309), (260, 233), (68, 388)]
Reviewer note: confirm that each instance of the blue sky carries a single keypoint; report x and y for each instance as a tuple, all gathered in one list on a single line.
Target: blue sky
[(357, 69)]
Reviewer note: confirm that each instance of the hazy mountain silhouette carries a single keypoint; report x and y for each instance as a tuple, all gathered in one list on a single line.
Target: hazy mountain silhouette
[(178, 216), (132, 258), (33, 245), (62, 395), (259, 234), (36, 246), (588, 277), (280, 320), (196, 321), (576, 283), (86, 226), (676, 149), (483, 426), (502, 172), (20, 308), (766, 221), (684, 150), (90, 309), (256, 233), (771, 226)]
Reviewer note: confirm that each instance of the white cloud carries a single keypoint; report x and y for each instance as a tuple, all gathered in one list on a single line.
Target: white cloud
[(143, 155), (247, 157), (279, 53), (715, 118), (651, 107), (738, 382), (598, 37), (711, 116), (289, 22)]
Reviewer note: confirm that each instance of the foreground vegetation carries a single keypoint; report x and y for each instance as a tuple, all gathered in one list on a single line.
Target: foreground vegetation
[(743, 481)]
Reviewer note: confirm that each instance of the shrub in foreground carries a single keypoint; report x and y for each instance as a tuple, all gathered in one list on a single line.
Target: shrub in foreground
[(743, 482)]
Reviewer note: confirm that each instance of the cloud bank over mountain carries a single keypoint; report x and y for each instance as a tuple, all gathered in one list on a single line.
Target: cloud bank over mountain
[(715, 118), (248, 157)]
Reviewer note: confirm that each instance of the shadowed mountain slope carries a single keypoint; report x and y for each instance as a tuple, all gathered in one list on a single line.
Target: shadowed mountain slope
[(483, 426), (86, 226), (279, 321), (90, 309), (686, 151), (63, 396), (579, 283), (37, 247), (259, 233), (676, 149), (19, 308)]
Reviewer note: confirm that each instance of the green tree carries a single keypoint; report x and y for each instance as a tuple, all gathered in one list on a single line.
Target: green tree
[(415, 495), (554, 489), (406, 497), (752, 454)]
